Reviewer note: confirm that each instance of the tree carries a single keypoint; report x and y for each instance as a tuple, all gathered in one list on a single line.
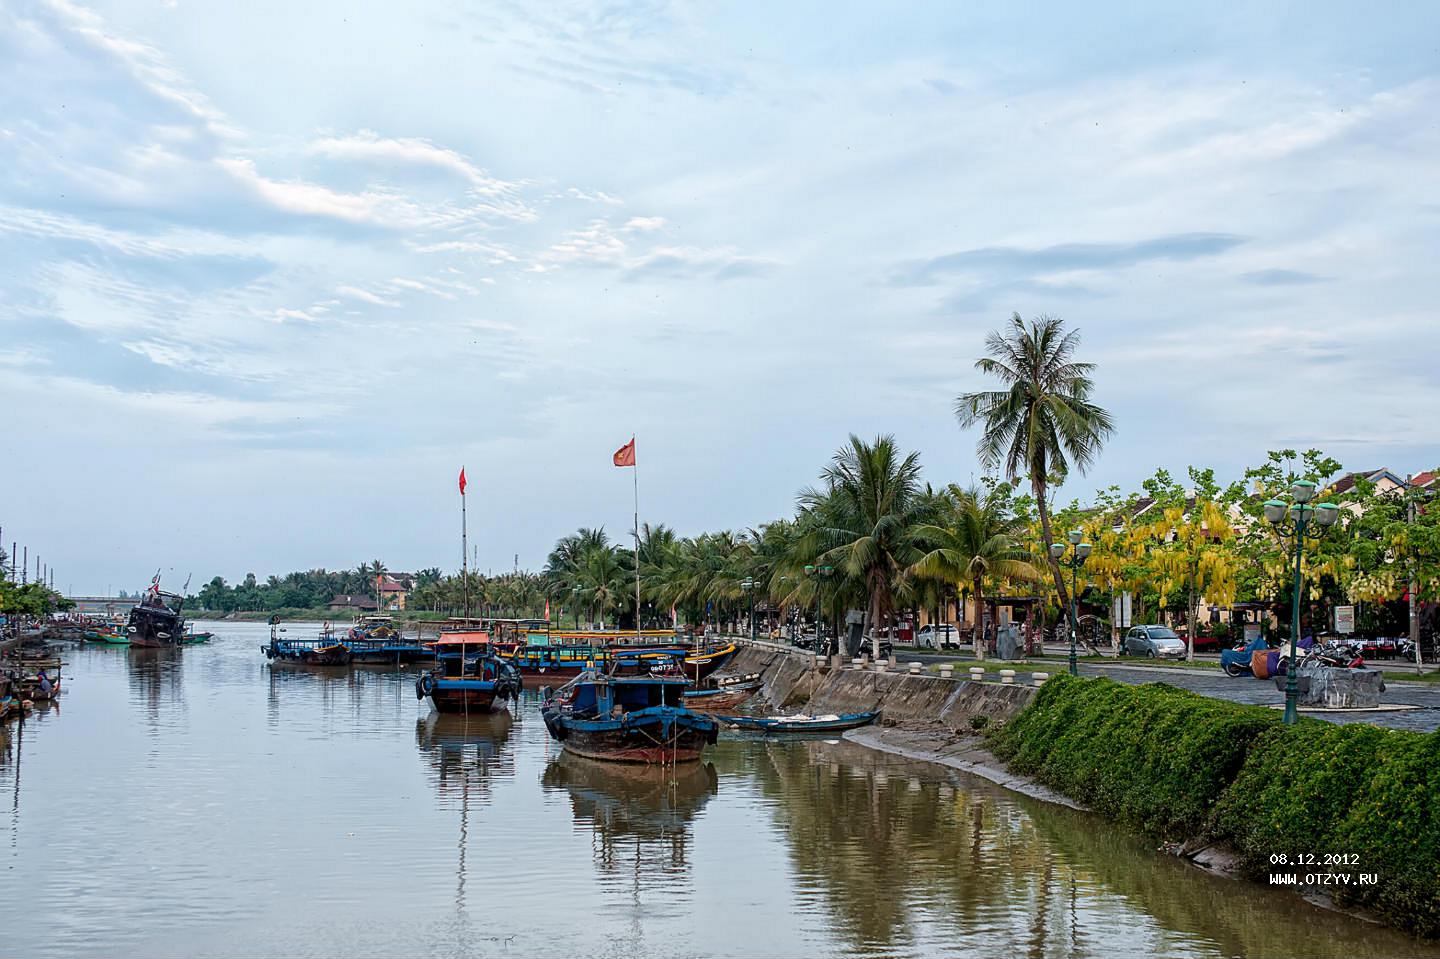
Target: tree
[(1192, 550), (1043, 422), (975, 537), (375, 570), (865, 518)]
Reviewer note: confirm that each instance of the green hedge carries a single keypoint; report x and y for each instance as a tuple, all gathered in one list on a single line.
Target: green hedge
[(1183, 766), (1318, 789), (1154, 756)]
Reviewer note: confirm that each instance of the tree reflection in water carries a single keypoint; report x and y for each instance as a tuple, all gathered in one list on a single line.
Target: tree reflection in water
[(903, 851)]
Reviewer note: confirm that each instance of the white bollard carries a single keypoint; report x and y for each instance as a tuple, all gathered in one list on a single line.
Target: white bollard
[(946, 671), (977, 674), (857, 663), (881, 665), (1039, 678), (915, 669), (1007, 676), (820, 661)]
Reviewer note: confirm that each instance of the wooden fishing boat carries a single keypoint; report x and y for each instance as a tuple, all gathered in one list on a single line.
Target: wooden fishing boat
[(156, 620), (627, 714), (307, 652), (468, 677), (108, 636), (193, 638), (799, 723), (726, 696)]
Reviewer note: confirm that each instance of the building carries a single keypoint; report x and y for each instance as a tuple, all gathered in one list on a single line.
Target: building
[(393, 590)]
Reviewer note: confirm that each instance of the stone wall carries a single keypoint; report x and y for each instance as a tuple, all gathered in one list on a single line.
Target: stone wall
[(791, 680)]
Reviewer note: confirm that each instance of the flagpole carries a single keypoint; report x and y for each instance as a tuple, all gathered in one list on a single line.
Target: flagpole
[(464, 552), (636, 477)]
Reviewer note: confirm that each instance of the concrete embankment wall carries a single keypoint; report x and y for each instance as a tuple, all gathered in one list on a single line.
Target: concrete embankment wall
[(791, 679)]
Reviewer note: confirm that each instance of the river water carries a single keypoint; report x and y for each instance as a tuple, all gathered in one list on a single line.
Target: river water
[(200, 802)]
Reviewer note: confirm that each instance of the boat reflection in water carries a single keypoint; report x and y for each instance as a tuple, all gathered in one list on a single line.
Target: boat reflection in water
[(466, 752), (156, 680), (466, 755), (639, 816)]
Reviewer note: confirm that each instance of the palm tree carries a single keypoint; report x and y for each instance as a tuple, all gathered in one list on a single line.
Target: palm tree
[(1043, 422), (976, 537), (376, 569), (865, 517)]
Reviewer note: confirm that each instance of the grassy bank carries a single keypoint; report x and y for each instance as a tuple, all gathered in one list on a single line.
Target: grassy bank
[(1180, 767)]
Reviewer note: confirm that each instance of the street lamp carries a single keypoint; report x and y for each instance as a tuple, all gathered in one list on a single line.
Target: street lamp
[(576, 591), (822, 573), (1079, 552), (748, 585), (1294, 520)]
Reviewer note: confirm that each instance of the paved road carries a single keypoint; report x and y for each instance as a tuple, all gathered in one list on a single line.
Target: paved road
[(1244, 689)]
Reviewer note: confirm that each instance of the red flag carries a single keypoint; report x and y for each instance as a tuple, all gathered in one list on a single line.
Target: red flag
[(547, 610), (625, 455), (462, 481)]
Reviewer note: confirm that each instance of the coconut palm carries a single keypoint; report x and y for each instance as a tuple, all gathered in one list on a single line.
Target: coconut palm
[(977, 537), (1043, 423), (864, 519)]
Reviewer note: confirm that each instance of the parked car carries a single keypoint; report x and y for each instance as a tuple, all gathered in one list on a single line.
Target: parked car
[(932, 634), (1158, 642)]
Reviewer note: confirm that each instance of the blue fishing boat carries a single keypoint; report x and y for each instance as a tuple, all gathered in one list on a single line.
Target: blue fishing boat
[(631, 712), (799, 724), (468, 677)]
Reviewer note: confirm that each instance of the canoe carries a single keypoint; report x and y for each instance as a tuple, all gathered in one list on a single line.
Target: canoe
[(799, 724)]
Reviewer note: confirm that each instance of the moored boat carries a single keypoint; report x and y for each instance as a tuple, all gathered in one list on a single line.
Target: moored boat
[(467, 677), (156, 620), (726, 696), (628, 714), (799, 724)]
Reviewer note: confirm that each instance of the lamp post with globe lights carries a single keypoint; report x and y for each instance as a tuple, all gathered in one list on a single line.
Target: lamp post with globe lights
[(1079, 552), (1297, 521)]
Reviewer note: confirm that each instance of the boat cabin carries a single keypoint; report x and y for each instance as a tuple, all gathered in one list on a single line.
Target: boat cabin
[(610, 695)]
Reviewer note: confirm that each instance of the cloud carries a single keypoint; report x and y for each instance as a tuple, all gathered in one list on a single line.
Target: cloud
[(689, 262), (311, 199), (1280, 278), (355, 293), (369, 147), (598, 196), (1065, 256), (644, 223), (144, 63)]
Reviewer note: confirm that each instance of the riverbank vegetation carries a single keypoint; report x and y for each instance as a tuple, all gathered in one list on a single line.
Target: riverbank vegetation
[(1186, 768)]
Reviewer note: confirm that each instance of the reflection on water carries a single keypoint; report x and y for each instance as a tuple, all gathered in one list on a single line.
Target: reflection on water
[(202, 802), (639, 816)]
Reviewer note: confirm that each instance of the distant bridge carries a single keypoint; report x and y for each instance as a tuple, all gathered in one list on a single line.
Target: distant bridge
[(101, 605)]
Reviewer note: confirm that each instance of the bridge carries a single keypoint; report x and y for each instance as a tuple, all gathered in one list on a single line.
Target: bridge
[(101, 605)]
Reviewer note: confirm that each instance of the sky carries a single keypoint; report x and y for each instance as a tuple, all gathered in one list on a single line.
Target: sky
[(271, 273)]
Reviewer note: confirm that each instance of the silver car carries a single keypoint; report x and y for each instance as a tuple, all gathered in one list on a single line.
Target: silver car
[(1153, 641)]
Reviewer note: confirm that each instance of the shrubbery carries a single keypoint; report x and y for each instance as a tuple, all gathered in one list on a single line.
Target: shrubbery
[(1153, 756), (1183, 766), (1321, 789)]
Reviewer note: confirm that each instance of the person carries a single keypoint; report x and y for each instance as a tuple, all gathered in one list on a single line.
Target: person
[(45, 685)]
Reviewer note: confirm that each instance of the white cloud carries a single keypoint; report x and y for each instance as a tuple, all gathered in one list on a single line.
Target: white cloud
[(369, 146), (355, 293), (644, 223), (312, 199)]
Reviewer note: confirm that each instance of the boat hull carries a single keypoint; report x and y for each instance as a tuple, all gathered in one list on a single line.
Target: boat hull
[(709, 700), (446, 698), (659, 736)]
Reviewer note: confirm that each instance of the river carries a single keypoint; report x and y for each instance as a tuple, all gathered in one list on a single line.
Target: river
[(200, 802)]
